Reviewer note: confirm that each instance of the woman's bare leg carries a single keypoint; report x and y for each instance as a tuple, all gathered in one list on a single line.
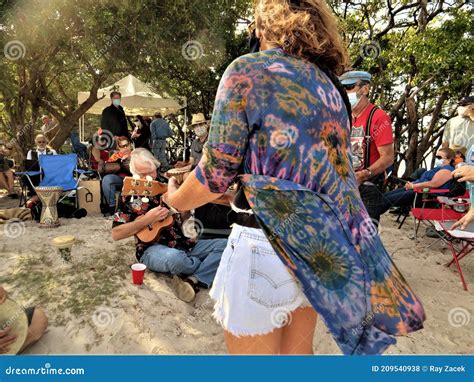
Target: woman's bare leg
[(263, 344), (38, 326), (297, 336)]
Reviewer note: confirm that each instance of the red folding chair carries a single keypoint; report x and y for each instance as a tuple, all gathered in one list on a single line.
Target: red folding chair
[(465, 237), (422, 214)]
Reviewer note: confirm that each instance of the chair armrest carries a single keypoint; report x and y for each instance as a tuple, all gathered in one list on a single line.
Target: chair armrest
[(431, 191), (28, 173)]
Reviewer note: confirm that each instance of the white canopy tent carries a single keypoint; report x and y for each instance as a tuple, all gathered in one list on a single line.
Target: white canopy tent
[(138, 98)]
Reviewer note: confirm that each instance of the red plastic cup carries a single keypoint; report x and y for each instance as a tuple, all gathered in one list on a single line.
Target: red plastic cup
[(138, 273)]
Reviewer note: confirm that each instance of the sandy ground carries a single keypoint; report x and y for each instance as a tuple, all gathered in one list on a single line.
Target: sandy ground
[(94, 308)]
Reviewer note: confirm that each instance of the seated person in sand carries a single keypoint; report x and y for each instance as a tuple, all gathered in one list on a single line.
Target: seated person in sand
[(6, 173), (192, 262), (37, 324), (439, 177)]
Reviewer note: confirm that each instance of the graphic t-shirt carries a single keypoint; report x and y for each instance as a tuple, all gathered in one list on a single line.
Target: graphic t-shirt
[(380, 133)]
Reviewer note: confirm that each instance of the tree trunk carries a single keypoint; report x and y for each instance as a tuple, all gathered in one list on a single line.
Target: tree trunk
[(413, 133)]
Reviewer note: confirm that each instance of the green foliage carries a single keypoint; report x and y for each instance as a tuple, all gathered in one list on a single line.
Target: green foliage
[(418, 51)]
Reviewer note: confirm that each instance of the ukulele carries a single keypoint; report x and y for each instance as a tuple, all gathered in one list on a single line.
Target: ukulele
[(147, 188)]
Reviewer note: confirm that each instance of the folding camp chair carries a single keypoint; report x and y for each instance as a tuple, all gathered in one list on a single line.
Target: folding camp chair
[(59, 171), (429, 198), (424, 214), (465, 237), (22, 175)]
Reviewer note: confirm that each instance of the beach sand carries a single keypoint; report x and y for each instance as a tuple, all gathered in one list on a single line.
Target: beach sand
[(94, 308)]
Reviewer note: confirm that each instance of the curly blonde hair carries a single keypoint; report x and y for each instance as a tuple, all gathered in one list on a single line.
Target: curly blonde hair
[(307, 30)]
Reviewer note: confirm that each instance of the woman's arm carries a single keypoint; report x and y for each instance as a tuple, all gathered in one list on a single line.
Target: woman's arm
[(192, 194), (440, 178), (226, 147)]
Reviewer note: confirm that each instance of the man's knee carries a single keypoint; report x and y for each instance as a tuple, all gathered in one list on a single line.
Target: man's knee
[(168, 261)]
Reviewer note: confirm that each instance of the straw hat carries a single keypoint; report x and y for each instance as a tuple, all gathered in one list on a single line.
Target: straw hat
[(14, 316), (197, 120)]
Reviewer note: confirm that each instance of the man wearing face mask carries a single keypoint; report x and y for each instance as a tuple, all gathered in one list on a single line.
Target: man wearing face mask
[(459, 131), (113, 117), (371, 139), (199, 125)]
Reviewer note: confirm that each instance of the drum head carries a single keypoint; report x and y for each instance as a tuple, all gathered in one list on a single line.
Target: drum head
[(179, 170), (14, 316)]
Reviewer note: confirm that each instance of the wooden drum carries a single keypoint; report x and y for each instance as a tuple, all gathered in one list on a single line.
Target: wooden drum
[(49, 197), (179, 173)]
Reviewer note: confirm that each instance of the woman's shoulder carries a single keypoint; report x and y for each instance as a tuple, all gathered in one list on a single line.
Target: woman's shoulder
[(261, 60)]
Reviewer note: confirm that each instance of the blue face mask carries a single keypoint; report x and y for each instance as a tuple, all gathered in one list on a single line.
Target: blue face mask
[(353, 98), (116, 102)]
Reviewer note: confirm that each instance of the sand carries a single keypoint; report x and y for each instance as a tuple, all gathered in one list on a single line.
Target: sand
[(94, 308)]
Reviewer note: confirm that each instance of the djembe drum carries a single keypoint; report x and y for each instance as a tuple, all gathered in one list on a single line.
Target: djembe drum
[(49, 197), (179, 173), (13, 315)]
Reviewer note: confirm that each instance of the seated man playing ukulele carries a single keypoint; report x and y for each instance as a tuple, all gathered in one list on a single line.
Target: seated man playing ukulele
[(195, 261)]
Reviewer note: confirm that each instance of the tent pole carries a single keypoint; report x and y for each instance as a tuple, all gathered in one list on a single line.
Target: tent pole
[(80, 128)]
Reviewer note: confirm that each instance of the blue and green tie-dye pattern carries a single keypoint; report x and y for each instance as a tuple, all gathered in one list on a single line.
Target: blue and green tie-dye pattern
[(280, 120)]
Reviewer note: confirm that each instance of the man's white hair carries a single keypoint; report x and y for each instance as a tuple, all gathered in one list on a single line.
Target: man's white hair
[(143, 156)]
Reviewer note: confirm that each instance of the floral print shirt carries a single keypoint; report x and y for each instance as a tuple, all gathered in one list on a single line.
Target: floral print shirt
[(281, 126), (130, 208)]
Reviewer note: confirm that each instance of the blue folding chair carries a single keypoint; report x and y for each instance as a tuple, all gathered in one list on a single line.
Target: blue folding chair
[(58, 171), (24, 188)]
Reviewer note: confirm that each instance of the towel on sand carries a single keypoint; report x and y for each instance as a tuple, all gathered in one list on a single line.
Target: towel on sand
[(14, 213)]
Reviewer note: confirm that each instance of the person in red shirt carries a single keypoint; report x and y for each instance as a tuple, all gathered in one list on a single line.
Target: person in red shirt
[(371, 139)]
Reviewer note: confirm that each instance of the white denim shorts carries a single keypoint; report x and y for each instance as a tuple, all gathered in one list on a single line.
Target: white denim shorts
[(254, 292)]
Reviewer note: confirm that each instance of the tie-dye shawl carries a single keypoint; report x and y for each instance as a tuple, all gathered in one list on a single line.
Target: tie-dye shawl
[(281, 122)]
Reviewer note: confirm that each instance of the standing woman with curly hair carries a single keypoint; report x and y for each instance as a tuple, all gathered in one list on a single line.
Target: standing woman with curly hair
[(304, 242)]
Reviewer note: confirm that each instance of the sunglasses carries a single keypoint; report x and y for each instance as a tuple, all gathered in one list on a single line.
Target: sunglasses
[(40, 142), (350, 87), (439, 157)]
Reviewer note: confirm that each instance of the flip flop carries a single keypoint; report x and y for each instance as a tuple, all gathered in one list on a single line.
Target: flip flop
[(182, 289)]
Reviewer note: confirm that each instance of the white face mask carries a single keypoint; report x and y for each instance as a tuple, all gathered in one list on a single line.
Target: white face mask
[(462, 111), (353, 98), (438, 162), (200, 131)]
